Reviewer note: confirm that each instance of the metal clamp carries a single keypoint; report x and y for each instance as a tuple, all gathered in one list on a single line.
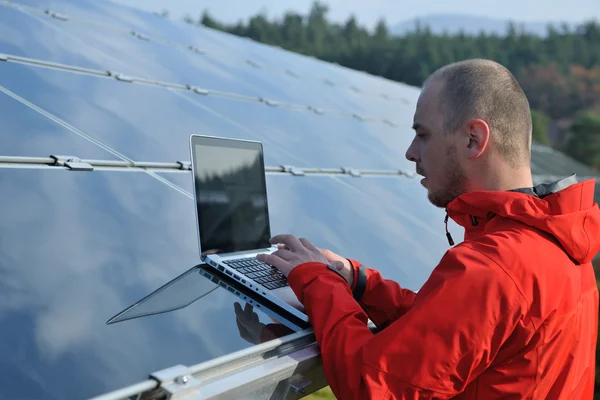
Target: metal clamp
[(174, 383), (315, 110), (352, 172), (293, 170), (185, 165), (58, 16), (268, 102), (140, 36), (196, 50), (3, 57), (73, 163), (199, 90), (119, 76), (253, 63)]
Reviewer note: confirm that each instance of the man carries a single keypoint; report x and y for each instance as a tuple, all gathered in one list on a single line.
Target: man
[(512, 311)]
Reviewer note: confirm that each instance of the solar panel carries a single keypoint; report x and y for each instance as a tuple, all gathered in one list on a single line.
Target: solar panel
[(132, 87), (27, 133), (82, 247)]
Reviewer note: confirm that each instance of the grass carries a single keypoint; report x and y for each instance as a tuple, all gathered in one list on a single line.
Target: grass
[(322, 394)]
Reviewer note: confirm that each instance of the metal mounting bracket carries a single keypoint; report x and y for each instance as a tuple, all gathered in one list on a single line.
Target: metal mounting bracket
[(253, 63), (199, 90), (352, 172), (73, 163), (140, 36), (120, 77), (59, 16), (196, 50), (268, 102), (293, 170), (185, 165), (176, 383), (316, 110)]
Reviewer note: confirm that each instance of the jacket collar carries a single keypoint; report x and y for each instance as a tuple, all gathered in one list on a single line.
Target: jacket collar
[(474, 219)]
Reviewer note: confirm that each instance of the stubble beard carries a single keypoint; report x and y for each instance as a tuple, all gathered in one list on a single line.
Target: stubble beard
[(454, 184)]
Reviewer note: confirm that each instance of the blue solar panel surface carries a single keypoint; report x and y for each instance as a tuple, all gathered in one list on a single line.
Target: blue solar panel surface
[(85, 245)]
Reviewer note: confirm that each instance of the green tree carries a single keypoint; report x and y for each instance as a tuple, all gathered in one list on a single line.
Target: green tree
[(584, 143), (559, 72), (541, 124)]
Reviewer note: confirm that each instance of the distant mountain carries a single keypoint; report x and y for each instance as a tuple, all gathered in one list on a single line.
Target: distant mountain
[(471, 24)]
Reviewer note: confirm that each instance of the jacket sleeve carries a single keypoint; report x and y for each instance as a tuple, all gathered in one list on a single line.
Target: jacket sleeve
[(459, 320), (383, 300)]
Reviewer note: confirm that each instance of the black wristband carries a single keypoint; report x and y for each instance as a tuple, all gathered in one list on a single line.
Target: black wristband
[(361, 283)]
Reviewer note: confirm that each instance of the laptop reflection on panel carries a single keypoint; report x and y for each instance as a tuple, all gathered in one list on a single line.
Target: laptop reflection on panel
[(232, 216)]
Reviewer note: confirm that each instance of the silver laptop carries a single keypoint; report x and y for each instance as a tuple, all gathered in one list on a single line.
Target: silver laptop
[(232, 216)]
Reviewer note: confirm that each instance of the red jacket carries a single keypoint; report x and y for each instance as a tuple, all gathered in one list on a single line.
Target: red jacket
[(510, 313)]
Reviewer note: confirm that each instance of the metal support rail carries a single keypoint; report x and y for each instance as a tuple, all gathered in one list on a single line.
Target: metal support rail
[(222, 56), (78, 164), (74, 163), (259, 369), (188, 87)]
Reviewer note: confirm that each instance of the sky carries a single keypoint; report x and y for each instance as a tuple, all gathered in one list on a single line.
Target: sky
[(394, 11)]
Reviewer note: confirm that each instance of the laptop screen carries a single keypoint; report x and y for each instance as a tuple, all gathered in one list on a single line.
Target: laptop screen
[(231, 195)]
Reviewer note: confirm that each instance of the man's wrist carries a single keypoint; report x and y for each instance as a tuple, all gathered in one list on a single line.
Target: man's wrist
[(359, 281)]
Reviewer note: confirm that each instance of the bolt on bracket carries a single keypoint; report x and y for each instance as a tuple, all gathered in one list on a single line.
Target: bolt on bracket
[(174, 383)]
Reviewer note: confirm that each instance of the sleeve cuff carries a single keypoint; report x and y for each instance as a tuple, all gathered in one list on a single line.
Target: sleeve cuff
[(305, 273)]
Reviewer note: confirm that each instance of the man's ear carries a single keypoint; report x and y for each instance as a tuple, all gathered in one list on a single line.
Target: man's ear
[(478, 137)]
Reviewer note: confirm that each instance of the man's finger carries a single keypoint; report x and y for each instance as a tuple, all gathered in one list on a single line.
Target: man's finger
[(283, 253), (289, 240), (308, 244), (275, 261), (238, 310), (248, 310)]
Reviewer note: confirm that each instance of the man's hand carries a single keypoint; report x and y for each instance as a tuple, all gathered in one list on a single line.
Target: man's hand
[(342, 264), (292, 252), (249, 326)]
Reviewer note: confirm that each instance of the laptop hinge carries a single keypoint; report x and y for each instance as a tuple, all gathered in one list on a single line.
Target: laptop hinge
[(241, 253)]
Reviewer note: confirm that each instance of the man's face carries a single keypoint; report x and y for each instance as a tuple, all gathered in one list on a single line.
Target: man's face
[(434, 151)]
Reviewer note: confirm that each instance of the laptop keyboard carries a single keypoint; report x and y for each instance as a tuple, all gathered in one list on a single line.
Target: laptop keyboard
[(269, 277)]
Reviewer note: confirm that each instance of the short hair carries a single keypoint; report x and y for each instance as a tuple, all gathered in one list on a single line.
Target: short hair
[(484, 89)]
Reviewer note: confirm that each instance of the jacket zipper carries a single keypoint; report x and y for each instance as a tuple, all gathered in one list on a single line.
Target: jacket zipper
[(448, 235)]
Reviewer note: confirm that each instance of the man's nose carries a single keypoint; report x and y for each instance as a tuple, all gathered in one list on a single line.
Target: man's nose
[(411, 153)]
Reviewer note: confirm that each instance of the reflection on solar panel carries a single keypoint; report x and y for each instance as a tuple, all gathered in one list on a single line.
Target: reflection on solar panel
[(97, 103)]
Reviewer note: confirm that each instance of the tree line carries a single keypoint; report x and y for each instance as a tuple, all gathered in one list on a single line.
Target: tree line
[(560, 73)]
